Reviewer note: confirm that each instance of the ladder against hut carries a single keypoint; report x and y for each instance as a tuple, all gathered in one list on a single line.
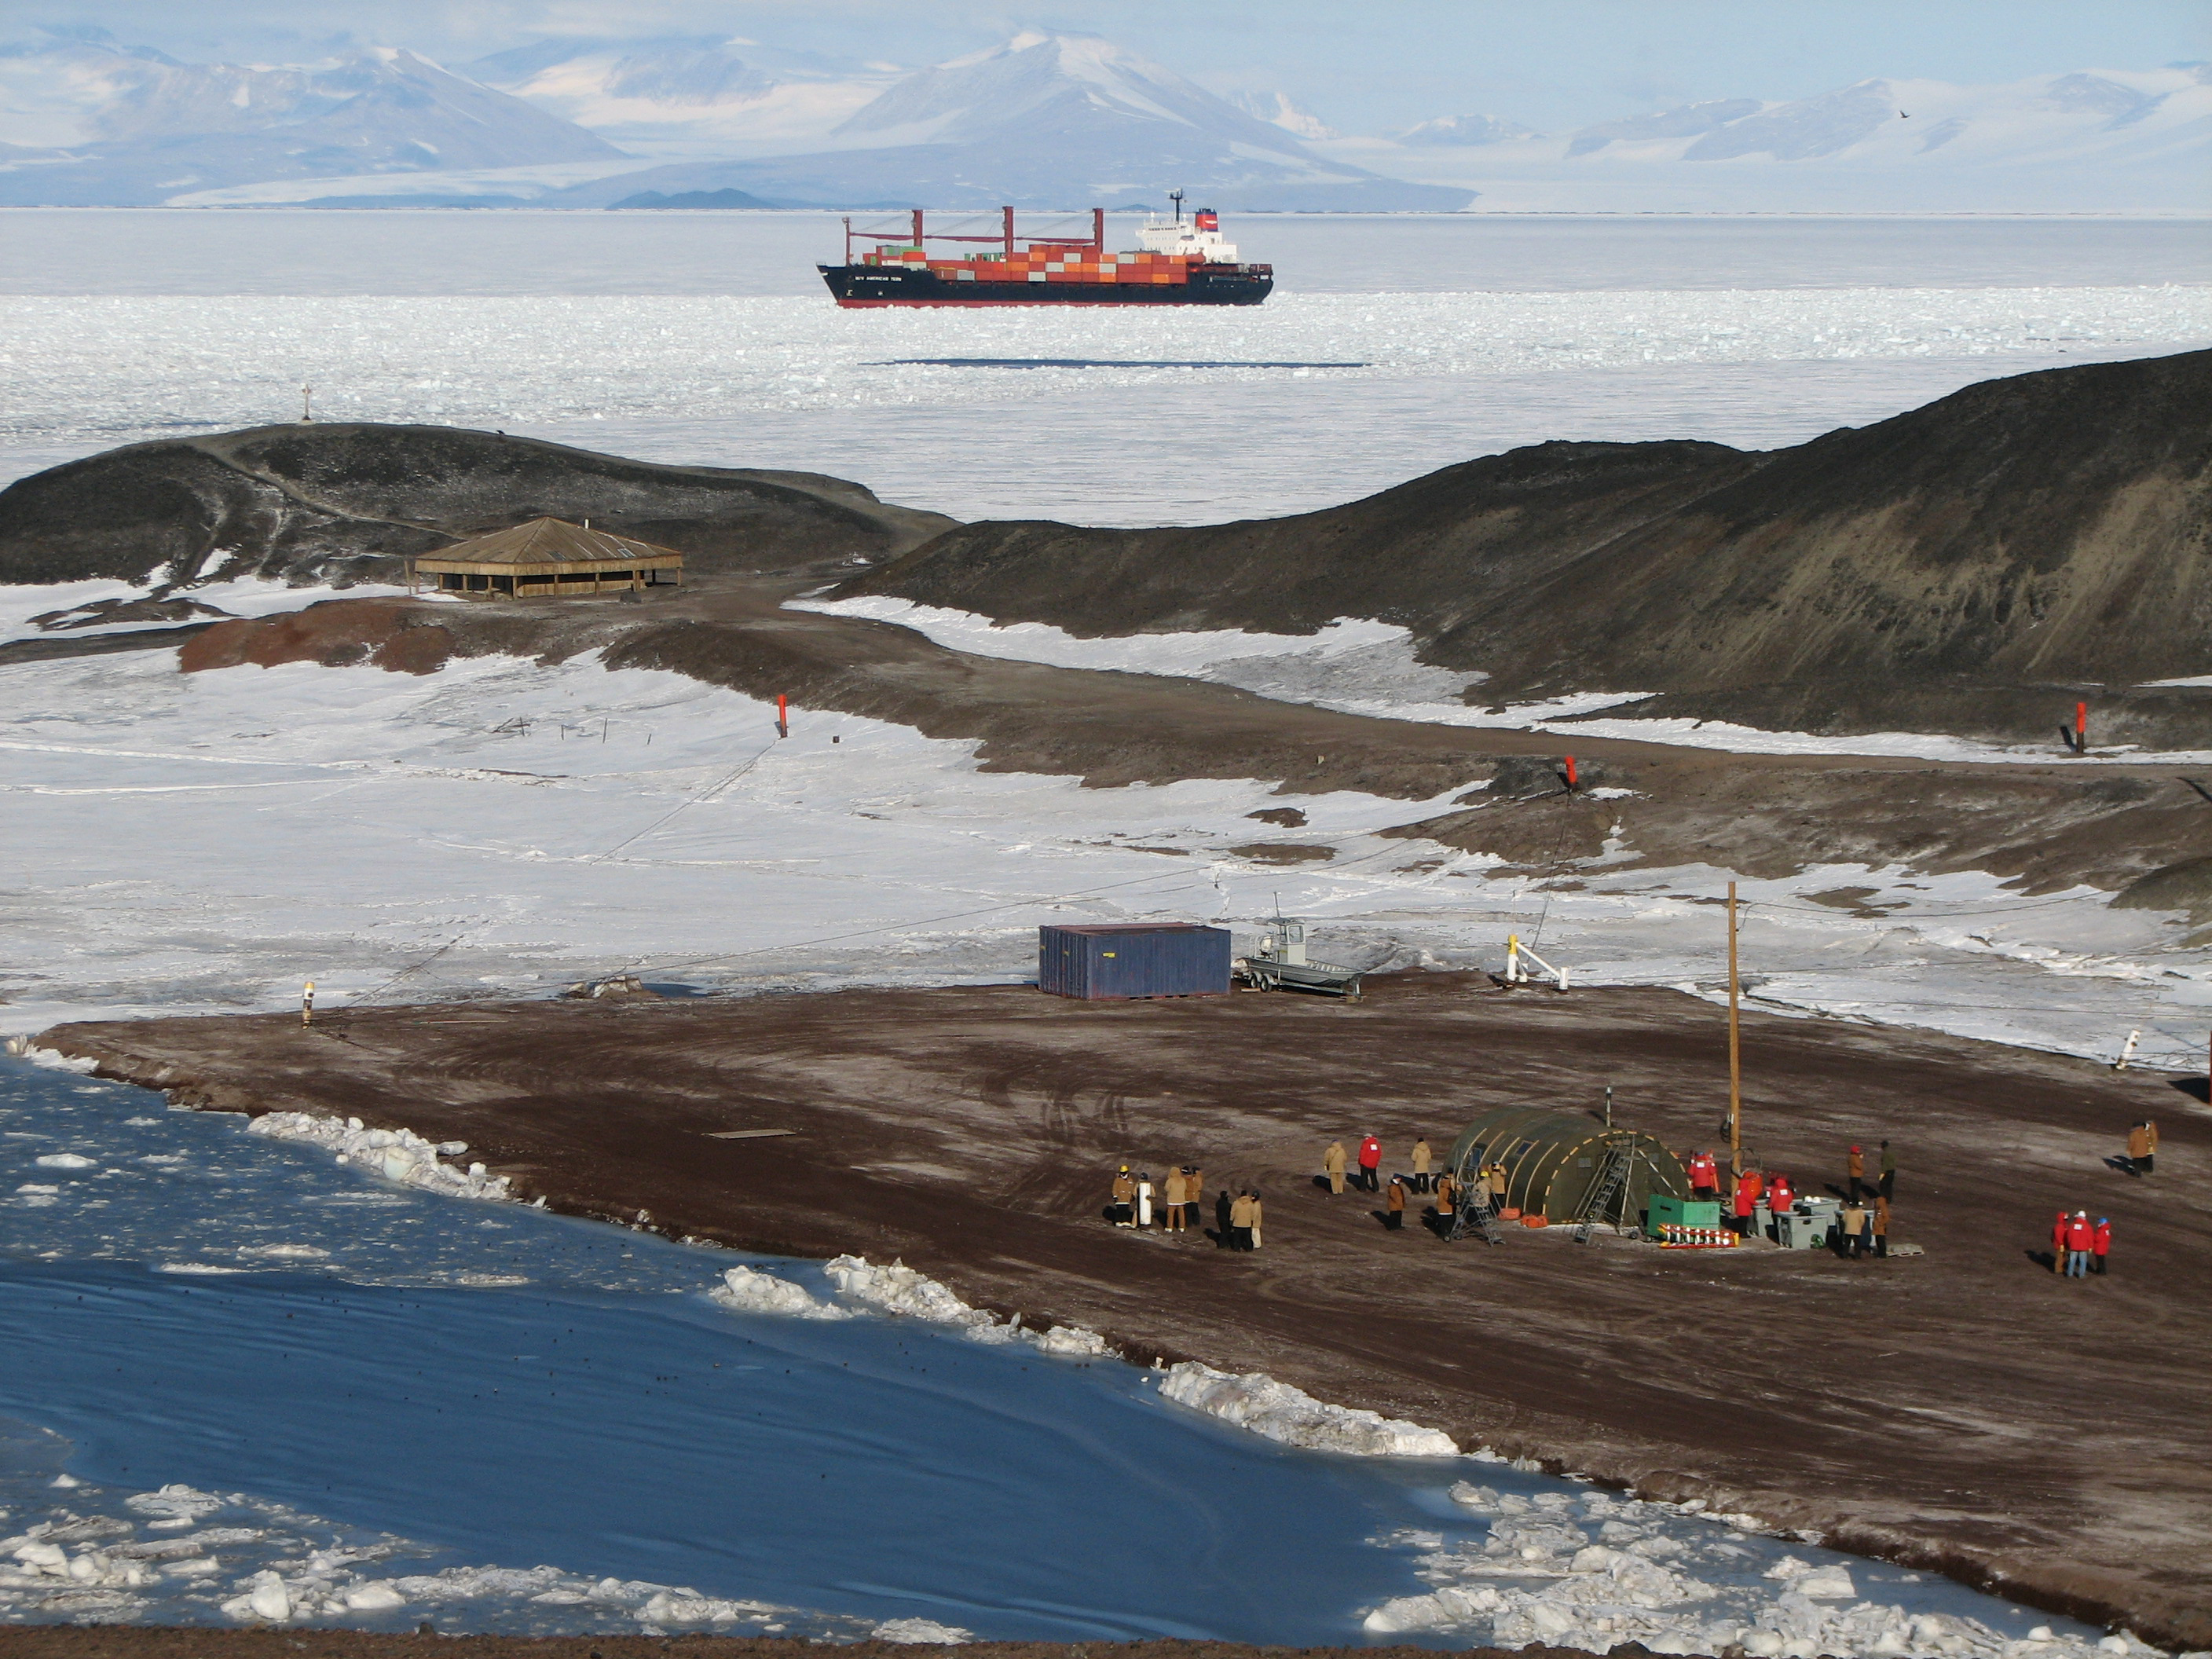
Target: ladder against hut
[(545, 559), (1565, 1168)]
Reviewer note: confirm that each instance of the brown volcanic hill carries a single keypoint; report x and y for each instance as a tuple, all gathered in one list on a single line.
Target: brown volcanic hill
[(2049, 526), (345, 502)]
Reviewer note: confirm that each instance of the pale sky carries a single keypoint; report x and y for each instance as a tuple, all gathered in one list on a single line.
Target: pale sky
[(1363, 65)]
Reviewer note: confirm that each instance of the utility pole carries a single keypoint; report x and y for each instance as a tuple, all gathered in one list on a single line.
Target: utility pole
[(306, 403), (307, 1005), (1735, 1051)]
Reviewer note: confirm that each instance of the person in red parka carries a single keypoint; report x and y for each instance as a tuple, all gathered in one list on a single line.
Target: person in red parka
[(2058, 1243), (1746, 1203), (1779, 1195), (2080, 1236), (1705, 1175), (1370, 1160), (2100, 1245)]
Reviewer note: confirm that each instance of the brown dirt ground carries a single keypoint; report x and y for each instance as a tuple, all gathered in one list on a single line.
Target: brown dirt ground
[(1964, 1410), (139, 1642)]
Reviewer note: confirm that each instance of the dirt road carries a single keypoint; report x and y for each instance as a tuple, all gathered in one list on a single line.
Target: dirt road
[(1964, 1409)]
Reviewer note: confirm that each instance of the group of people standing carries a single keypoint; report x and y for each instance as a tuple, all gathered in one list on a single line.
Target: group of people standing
[(2079, 1245), (1173, 1206), (1862, 1227), (1340, 1168)]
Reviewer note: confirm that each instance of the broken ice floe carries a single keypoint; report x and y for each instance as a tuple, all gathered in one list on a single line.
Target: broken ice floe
[(286, 1568), (398, 1155), (1590, 1569)]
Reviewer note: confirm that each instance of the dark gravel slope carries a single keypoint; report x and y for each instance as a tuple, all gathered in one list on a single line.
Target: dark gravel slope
[(2049, 527), (345, 502)]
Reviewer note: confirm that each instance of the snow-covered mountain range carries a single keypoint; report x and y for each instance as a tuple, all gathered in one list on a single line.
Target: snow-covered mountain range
[(2097, 141), (1043, 120), (98, 123)]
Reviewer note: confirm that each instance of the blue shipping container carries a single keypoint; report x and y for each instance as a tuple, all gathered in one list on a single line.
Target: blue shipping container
[(1111, 961)]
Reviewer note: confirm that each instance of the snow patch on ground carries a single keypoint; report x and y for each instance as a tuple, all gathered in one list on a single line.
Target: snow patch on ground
[(244, 596), (1278, 1411), (1353, 666)]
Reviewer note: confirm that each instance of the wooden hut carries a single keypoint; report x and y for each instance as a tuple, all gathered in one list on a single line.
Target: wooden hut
[(545, 559)]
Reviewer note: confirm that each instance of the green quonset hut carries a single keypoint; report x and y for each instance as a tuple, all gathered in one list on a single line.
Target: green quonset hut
[(1554, 1159)]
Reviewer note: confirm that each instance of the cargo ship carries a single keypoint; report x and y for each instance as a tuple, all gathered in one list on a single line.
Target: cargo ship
[(1176, 262)]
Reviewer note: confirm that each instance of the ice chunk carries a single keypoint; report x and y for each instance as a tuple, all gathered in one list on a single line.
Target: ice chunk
[(374, 1597), (1278, 1411), (269, 1599), (1071, 1341), (1443, 1609), (64, 1161), (749, 1291), (920, 1631), (174, 1503)]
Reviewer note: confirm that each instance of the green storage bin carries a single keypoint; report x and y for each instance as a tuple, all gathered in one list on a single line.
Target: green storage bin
[(1681, 1212)]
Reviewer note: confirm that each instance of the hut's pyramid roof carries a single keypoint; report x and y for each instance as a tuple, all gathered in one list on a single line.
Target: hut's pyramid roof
[(548, 541)]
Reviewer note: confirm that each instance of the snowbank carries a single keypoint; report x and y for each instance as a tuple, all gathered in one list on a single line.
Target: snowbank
[(1590, 1570), (398, 1155), (1280, 1412), (898, 1289), (25, 1048), (745, 1290)]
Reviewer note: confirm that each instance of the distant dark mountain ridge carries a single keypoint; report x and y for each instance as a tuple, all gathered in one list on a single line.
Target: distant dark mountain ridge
[(2052, 526), (345, 502)]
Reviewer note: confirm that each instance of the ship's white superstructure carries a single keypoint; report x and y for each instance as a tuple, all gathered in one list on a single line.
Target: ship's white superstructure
[(1198, 237)]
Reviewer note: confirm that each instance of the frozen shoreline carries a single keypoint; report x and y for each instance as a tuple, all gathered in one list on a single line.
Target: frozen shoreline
[(1540, 1577)]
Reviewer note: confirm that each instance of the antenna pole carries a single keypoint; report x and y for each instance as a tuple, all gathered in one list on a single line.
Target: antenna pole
[(917, 227), (1175, 195), (1009, 213), (1735, 1050), (848, 238), (1098, 229), (1608, 1105), (306, 403)]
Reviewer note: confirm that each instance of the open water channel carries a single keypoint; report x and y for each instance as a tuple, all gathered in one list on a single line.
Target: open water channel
[(243, 1382)]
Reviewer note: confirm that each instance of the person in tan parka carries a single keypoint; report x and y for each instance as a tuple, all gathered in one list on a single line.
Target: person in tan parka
[(1172, 1218), (1423, 1158), (1332, 1161), (2142, 1147)]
